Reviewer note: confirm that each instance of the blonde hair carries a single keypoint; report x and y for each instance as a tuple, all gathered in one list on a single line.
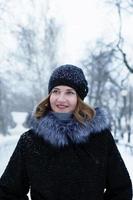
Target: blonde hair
[(82, 111)]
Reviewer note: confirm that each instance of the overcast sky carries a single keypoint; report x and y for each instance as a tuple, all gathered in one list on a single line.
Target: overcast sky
[(87, 21), (82, 22)]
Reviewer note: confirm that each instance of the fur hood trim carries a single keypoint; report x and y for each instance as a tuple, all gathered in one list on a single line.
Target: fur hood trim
[(59, 133)]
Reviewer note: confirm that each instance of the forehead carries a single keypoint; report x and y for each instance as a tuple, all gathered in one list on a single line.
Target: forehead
[(63, 87)]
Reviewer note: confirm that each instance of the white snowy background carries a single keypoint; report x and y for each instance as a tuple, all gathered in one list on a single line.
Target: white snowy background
[(82, 23), (8, 143)]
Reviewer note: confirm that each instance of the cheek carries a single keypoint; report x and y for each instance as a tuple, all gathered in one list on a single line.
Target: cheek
[(51, 100), (74, 102), (52, 103)]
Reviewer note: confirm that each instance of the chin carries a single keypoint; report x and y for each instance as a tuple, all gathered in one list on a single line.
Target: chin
[(63, 111)]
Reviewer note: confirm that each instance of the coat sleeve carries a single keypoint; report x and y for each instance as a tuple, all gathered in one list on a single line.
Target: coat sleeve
[(118, 183), (14, 183)]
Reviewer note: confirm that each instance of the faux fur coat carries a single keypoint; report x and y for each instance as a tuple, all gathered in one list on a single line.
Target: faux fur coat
[(59, 160)]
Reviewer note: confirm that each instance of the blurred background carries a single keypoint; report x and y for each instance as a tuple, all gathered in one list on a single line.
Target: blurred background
[(37, 36)]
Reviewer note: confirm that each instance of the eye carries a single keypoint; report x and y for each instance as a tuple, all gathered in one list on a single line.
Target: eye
[(54, 91), (70, 92)]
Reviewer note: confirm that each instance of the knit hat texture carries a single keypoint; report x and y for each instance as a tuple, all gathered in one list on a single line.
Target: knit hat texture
[(71, 76)]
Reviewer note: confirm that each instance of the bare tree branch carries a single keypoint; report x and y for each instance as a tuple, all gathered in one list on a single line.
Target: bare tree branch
[(125, 61), (120, 6), (121, 40)]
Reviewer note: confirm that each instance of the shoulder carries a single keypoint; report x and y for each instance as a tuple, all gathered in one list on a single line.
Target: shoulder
[(100, 126), (101, 122), (27, 138)]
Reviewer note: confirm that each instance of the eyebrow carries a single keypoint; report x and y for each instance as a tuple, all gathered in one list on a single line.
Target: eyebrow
[(55, 88), (71, 89)]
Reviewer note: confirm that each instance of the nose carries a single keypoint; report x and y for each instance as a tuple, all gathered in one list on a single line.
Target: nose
[(61, 97)]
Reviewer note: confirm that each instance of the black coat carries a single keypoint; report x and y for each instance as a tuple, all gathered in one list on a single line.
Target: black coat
[(68, 170)]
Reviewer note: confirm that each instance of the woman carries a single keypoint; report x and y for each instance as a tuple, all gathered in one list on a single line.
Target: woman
[(69, 153)]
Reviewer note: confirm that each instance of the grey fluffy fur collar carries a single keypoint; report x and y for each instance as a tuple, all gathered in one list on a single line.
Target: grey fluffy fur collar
[(60, 134)]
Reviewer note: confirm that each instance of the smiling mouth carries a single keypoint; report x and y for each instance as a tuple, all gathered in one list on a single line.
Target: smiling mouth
[(61, 106)]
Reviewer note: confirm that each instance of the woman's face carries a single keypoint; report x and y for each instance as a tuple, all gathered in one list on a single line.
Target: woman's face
[(63, 99)]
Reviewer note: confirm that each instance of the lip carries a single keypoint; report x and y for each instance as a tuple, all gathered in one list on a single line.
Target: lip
[(61, 106)]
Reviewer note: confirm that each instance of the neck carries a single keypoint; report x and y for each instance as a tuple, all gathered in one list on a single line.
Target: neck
[(63, 116)]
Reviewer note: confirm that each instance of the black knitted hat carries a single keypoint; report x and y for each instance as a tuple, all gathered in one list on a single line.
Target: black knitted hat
[(71, 76)]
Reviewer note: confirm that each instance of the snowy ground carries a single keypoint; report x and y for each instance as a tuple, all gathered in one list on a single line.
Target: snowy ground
[(7, 145), (128, 159)]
